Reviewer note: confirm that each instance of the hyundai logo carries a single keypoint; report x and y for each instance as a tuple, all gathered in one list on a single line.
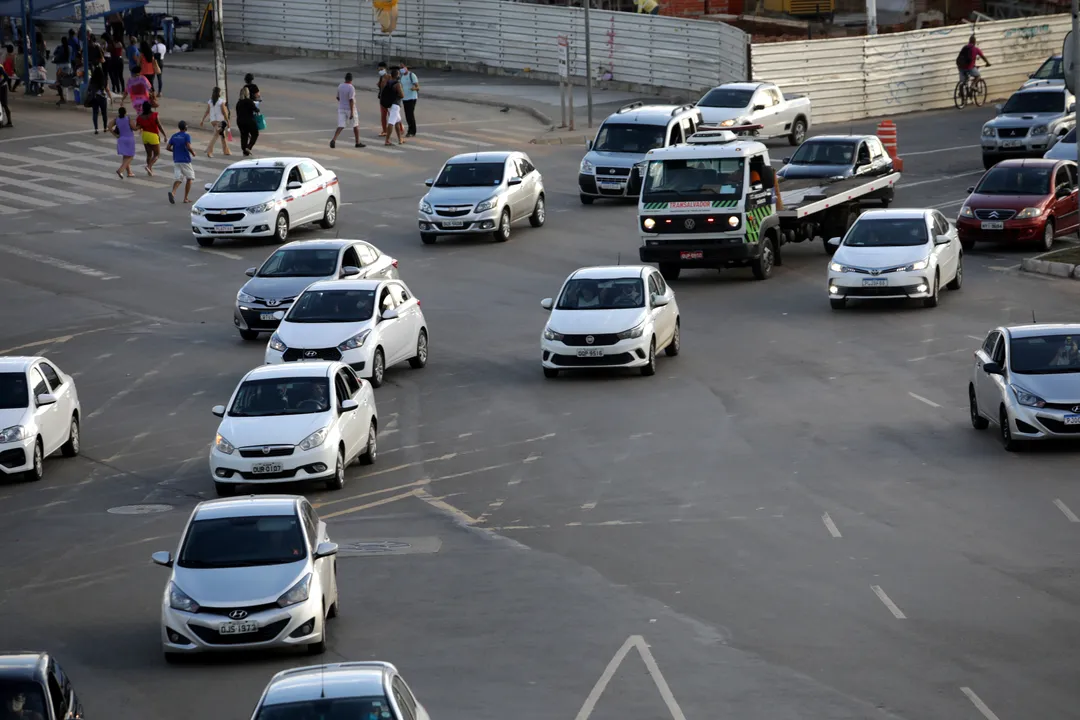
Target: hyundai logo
[(589, 339), (310, 353), (266, 449), (689, 224), (273, 303), (238, 614)]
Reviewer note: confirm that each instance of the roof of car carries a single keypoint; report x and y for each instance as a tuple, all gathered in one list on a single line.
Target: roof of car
[(319, 244), (838, 138), (899, 213), (24, 664), (487, 156), (1042, 88), (1029, 162), (316, 368), (337, 680), (1035, 329), (740, 86), (347, 284), (647, 115), (605, 272), (15, 363), (691, 151), (252, 505), (271, 162)]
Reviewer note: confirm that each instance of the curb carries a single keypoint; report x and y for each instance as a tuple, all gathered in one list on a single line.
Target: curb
[(434, 95), (1038, 266)]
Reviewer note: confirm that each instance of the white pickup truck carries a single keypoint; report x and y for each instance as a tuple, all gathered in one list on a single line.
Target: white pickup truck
[(757, 103)]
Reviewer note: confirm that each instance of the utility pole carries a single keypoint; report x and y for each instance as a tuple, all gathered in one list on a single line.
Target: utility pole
[(871, 17), (1072, 72), (220, 63), (588, 60)]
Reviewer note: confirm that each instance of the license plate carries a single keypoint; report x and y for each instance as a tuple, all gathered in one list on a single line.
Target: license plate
[(1072, 419), (266, 316), (613, 185), (262, 468), (590, 352), (237, 628), (993, 225), (876, 282), (691, 254), (223, 228), (1012, 143), (453, 223)]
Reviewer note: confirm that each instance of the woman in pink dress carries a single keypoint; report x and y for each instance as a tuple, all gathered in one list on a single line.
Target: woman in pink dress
[(123, 127), (139, 90)]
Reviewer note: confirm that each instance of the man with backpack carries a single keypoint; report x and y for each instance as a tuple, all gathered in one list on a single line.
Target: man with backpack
[(965, 61)]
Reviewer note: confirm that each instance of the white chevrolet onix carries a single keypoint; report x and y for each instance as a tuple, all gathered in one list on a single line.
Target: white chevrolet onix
[(295, 422), (610, 317)]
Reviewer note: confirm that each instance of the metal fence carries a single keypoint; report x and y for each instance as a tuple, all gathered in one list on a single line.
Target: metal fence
[(860, 77)]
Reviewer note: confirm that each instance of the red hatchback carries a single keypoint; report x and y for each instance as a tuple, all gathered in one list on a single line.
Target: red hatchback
[(1021, 201)]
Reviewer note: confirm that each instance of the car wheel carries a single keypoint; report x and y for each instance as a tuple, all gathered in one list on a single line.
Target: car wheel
[(676, 342), (224, 489), (551, 372), (763, 265), (420, 359), (329, 218), (670, 271), (586, 199), (281, 227), (932, 301), (71, 447), (428, 238), (958, 281), (37, 471), (977, 421), (1008, 442), (798, 132), (249, 335), (967, 244), (502, 232), (338, 480), (378, 368), (650, 369), (838, 303), (204, 241), (371, 453), (539, 213), (174, 658), (1048, 235)]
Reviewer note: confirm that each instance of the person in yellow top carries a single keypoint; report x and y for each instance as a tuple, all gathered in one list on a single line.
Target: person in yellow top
[(649, 7)]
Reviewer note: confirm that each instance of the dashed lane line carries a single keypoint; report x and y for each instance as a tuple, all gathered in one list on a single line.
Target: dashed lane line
[(58, 263), (943, 178), (888, 602), (1068, 513), (219, 253), (921, 399), (941, 150), (979, 704), (830, 525)]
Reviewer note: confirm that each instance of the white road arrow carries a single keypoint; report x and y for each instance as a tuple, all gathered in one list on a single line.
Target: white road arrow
[(634, 641)]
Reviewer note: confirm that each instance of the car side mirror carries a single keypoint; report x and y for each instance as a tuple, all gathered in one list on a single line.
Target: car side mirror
[(46, 399), (294, 185), (835, 242), (218, 410), (992, 368), (279, 315), (162, 558), (429, 182), (207, 187), (786, 160), (758, 107), (250, 272), (514, 181), (547, 303), (389, 314), (659, 300), (588, 144), (349, 405), (971, 190), (349, 271), (326, 549), (1063, 192), (942, 240)]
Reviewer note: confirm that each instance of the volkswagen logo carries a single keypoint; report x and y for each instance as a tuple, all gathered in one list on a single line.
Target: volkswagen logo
[(689, 224), (589, 339), (266, 449), (273, 303), (238, 614), (310, 354)]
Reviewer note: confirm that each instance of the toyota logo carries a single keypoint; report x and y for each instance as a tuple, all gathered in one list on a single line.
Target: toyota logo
[(589, 339), (689, 224), (238, 614), (310, 353), (875, 272), (266, 449), (273, 303)]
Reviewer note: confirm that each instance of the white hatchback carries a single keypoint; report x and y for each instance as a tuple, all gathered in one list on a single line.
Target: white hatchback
[(367, 324), (610, 317), (896, 254), (39, 414), (296, 422)]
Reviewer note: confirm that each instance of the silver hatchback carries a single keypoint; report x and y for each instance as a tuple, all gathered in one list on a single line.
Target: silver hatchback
[(339, 690), (483, 192)]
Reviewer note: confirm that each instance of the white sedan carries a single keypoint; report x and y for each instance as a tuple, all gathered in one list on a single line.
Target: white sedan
[(367, 324), (266, 198), (296, 422), (610, 317), (896, 254), (39, 414)]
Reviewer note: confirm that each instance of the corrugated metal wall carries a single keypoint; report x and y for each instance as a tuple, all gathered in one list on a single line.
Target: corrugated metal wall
[(852, 78)]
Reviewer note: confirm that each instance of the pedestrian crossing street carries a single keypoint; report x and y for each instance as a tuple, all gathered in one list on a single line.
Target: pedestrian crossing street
[(37, 177)]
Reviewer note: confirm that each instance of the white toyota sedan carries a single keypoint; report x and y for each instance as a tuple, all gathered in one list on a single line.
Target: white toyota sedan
[(266, 198), (295, 422), (610, 317), (367, 324), (896, 254), (39, 414)]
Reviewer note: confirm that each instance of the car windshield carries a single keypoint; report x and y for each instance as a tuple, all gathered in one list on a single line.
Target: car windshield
[(1035, 102), (13, 391), (478, 174), (269, 397), (22, 699), (352, 708), (726, 98), (629, 138), (1049, 70), (708, 179), (243, 542), (608, 294), (300, 263), (887, 232), (332, 306), (1015, 181), (824, 153), (249, 179), (1045, 354)]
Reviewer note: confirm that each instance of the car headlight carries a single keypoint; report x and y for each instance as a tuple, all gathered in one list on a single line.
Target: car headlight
[(276, 344), (223, 445), (586, 167), (180, 600), (1028, 213), (14, 433), (550, 334), (313, 440), (488, 204), (837, 267), (989, 132), (727, 123), (196, 210), (298, 593), (733, 220), (649, 223), (425, 207), (1027, 398), (355, 341), (1039, 130), (967, 212), (634, 332), (261, 207), (918, 265), (244, 297)]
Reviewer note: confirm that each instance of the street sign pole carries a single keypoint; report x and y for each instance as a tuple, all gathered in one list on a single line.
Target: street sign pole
[(564, 74), (220, 62), (588, 60), (1071, 52)]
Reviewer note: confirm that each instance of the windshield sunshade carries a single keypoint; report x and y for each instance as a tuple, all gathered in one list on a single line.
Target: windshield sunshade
[(893, 232), (282, 396), (332, 306), (1045, 354), (592, 294), (243, 542)]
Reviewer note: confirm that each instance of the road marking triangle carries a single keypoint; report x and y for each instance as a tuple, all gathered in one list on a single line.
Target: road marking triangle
[(632, 642)]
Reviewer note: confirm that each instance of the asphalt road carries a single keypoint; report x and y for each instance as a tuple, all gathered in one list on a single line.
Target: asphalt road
[(794, 515)]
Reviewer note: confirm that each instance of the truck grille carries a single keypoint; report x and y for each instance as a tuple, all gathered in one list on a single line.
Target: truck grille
[(1012, 132)]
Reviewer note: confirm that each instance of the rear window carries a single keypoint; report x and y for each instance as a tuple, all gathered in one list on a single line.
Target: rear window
[(351, 708)]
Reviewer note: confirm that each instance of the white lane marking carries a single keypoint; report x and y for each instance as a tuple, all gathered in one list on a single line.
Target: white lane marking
[(830, 526), (940, 150), (427, 139), (920, 398), (57, 263), (943, 178), (497, 504), (1068, 513), (41, 137), (5, 210), (974, 337), (444, 506), (37, 176), (887, 602), (634, 641), (123, 393), (979, 704), (70, 167), (588, 506), (37, 202), (938, 354), (220, 253), (458, 138)]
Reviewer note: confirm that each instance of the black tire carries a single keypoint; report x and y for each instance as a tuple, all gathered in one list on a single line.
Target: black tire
[(798, 132), (959, 97), (1008, 442), (249, 335), (675, 345), (329, 218), (1048, 235), (371, 452), (670, 271), (586, 199), (419, 360), (174, 658), (378, 368), (838, 303), (967, 245), (204, 241), (71, 447), (978, 92), (958, 282), (337, 481), (989, 161), (281, 227), (650, 369), (37, 470), (502, 231), (428, 238), (539, 214), (935, 296), (977, 421), (333, 611), (551, 373), (224, 489), (888, 198), (763, 265)]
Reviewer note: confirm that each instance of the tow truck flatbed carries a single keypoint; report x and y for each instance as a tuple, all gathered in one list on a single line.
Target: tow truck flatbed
[(804, 197)]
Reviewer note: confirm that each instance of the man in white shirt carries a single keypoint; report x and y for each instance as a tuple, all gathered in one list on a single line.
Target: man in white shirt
[(347, 115), (159, 50)]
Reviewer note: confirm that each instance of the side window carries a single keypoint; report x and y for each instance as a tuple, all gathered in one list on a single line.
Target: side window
[(876, 149), (660, 283), (56, 694), (386, 301), (864, 154), (988, 343), (294, 175), (311, 526), (309, 172), (399, 293), (676, 135), (1071, 169), (688, 126), (368, 254), (351, 381), (340, 388), (526, 167), (404, 697), (653, 289), (512, 168), (40, 387), (346, 388), (774, 94), (999, 353), (50, 375), (350, 259)]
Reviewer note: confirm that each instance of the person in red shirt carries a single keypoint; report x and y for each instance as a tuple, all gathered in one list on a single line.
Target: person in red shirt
[(965, 61)]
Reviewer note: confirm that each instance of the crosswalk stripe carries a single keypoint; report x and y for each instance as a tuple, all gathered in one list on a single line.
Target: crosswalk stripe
[(47, 191), (500, 138), (28, 200), (37, 176), (458, 139), (70, 167), (100, 147), (5, 210)]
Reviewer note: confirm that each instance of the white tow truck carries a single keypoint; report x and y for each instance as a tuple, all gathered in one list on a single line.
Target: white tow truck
[(715, 202)]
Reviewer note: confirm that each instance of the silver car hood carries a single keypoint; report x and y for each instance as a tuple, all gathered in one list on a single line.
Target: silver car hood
[(1060, 388), (278, 288), (1023, 119), (240, 586), (462, 195), (605, 158)]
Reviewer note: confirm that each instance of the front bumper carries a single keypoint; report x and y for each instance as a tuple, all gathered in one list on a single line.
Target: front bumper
[(1032, 423), (17, 457), (468, 224), (299, 466), (257, 317), (695, 251), (1019, 231), (184, 632), (235, 224), (1027, 146), (633, 352), (613, 186), (892, 285), (359, 359)]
